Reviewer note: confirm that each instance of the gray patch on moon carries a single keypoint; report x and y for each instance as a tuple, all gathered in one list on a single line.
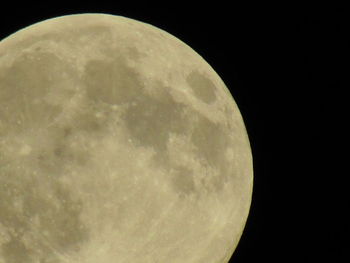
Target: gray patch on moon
[(87, 123), (40, 217), (182, 181), (211, 143), (52, 158), (150, 120), (23, 90), (134, 53), (203, 87), (111, 82)]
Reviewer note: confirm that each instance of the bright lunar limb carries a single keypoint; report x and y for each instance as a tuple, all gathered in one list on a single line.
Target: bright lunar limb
[(118, 143)]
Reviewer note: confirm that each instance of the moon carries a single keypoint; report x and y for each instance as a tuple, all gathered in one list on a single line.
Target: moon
[(118, 143)]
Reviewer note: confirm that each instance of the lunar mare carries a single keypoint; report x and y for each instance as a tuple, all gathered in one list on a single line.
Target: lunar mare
[(118, 142)]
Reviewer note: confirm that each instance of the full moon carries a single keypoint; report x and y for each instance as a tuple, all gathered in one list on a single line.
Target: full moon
[(118, 143)]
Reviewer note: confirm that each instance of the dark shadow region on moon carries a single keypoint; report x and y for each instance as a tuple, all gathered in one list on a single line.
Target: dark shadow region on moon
[(111, 82), (150, 119), (23, 87), (202, 86)]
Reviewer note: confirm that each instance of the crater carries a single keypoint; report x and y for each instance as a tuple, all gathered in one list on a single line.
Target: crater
[(203, 88)]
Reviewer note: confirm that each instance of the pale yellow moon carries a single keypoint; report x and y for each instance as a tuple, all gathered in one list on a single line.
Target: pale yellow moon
[(118, 143)]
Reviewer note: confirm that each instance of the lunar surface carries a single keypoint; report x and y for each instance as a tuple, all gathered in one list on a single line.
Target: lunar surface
[(118, 143)]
